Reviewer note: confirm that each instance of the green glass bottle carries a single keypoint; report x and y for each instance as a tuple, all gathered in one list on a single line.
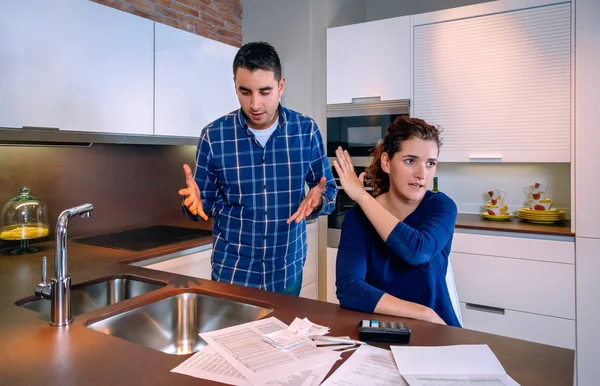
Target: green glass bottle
[(435, 185)]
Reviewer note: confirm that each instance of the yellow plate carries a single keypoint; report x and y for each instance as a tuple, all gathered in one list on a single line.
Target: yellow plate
[(542, 221), (551, 212), (541, 214), (540, 217), (497, 218)]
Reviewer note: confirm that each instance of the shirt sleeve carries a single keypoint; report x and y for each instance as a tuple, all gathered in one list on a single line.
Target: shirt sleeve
[(319, 167), (417, 245), (205, 176), (353, 291)]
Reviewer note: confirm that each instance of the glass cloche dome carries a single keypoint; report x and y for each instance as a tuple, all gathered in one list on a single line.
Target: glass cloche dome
[(24, 217)]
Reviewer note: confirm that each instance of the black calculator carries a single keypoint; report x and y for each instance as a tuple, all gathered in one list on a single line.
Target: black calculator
[(381, 331)]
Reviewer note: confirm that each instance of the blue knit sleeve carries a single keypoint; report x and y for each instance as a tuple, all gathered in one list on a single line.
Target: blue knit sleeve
[(353, 291), (417, 245)]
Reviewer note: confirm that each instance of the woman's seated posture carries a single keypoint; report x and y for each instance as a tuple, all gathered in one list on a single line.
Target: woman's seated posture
[(394, 248)]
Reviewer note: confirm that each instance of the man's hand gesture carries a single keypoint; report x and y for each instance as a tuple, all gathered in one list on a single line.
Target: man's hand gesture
[(192, 194), (313, 200)]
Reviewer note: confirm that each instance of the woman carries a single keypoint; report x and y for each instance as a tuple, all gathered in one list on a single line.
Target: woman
[(394, 248)]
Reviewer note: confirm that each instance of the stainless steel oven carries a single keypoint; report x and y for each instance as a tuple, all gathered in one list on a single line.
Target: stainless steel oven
[(359, 127)]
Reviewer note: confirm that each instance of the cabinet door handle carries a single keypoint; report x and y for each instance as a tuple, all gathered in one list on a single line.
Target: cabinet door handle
[(485, 157), (479, 307)]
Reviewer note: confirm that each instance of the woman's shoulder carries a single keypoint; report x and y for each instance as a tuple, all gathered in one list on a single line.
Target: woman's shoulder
[(439, 201)]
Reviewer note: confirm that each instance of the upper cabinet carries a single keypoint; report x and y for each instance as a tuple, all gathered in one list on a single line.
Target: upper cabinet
[(75, 65), (193, 82), (369, 60), (498, 80)]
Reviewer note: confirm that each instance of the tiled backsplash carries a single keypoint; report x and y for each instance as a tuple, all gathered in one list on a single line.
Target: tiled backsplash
[(467, 183)]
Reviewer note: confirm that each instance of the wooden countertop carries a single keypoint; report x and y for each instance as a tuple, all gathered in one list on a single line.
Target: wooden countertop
[(475, 221), (34, 353)]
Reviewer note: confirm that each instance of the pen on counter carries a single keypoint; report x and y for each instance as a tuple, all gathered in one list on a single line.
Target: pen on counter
[(333, 339)]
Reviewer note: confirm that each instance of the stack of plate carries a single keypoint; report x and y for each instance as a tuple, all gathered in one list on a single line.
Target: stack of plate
[(542, 216)]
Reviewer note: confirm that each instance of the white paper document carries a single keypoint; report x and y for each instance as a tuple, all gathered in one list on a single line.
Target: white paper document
[(209, 364), (258, 361), (296, 333), (461, 365), (367, 366)]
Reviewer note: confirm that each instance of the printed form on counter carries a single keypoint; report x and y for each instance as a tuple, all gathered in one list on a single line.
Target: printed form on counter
[(239, 355)]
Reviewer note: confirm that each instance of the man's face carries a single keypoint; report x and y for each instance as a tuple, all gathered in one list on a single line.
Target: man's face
[(258, 93)]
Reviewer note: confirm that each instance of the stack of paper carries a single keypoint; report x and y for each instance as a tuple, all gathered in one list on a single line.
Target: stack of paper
[(239, 356), (462, 365), (298, 332)]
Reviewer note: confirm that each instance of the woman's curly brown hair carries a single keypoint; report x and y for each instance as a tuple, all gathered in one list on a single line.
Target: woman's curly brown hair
[(402, 129)]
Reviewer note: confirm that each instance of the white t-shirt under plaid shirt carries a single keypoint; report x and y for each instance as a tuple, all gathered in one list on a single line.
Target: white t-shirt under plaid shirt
[(252, 191)]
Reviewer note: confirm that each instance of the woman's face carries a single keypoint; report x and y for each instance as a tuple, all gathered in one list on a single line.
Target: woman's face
[(411, 169)]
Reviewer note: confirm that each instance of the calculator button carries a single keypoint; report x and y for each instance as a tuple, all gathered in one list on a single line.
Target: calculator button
[(395, 325), (365, 323), (374, 323)]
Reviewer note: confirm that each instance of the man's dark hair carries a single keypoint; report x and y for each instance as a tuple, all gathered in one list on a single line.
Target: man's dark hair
[(258, 56)]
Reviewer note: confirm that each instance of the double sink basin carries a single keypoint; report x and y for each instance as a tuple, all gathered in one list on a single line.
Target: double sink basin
[(170, 324)]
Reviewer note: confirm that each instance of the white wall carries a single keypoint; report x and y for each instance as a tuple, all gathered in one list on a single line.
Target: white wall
[(297, 30), (467, 183), (384, 9)]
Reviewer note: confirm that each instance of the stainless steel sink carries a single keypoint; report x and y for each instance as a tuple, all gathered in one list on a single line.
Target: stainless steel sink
[(89, 296), (172, 325)]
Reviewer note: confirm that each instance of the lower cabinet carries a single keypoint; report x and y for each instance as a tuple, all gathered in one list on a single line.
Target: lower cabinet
[(331, 260), (196, 264), (517, 287), (310, 274)]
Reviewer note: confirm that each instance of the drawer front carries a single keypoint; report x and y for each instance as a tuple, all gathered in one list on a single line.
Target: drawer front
[(516, 247), (521, 325), (514, 284)]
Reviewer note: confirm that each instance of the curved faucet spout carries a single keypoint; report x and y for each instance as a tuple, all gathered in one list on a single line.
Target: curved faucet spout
[(60, 252), (59, 288)]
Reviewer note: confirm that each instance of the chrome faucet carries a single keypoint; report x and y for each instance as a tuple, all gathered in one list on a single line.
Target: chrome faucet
[(59, 288)]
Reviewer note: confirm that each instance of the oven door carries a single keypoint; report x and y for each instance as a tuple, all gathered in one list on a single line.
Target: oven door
[(358, 135)]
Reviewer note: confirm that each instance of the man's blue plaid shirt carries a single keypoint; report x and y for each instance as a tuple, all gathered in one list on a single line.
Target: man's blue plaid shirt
[(253, 190)]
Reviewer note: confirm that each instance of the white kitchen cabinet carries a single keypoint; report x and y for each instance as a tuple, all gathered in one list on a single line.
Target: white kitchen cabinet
[(369, 60), (587, 133), (588, 313), (515, 286), (331, 287), (310, 273), (193, 81), (75, 65), (197, 264), (521, 325), (497, 79), (310, 291)]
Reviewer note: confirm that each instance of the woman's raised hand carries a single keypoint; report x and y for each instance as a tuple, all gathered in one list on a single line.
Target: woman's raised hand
[(353, 185)]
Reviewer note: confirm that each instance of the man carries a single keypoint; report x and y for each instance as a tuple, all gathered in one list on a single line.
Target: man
[(251, 170)]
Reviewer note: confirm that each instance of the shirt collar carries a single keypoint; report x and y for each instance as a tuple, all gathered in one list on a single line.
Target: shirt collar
[(283, 112)]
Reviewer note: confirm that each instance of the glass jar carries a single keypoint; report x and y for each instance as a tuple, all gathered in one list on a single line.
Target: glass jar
[(23, 218)]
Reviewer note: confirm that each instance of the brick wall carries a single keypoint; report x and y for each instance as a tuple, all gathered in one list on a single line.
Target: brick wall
[(215, 19)]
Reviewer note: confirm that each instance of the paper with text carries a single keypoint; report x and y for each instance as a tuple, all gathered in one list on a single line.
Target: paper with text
[(258, 361), (457, 365), (367, 366), (208, 364)]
